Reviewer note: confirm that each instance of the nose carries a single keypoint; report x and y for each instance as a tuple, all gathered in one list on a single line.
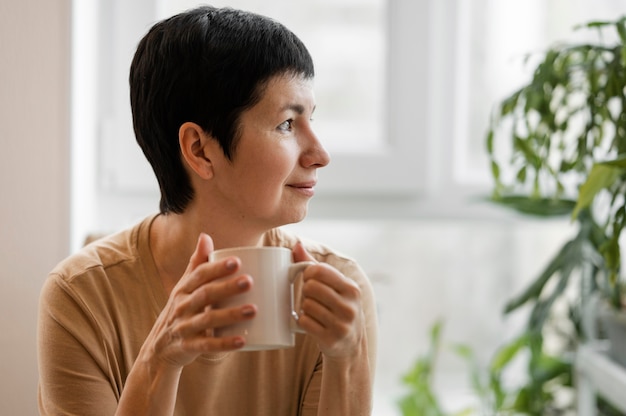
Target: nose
[(314, 154)]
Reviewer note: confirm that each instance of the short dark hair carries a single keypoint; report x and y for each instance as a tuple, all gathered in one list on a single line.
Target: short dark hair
[(206, 65)]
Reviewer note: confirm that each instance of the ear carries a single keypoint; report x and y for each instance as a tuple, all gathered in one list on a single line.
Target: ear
[(194, 146)]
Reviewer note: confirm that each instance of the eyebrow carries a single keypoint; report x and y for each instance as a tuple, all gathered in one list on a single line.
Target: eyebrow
[(298, 108)]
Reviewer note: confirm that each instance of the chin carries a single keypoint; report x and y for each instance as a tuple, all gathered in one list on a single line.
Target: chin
[(295, 216)]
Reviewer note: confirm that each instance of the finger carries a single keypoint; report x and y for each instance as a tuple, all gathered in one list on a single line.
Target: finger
[(201, 344), (204, 247), (299, 253), (311, 326), (317, 312), (331, 277), (314, 290), (214, 292), (331, 329), (326, 305), (319, 322), (333, 338), (211, 319), (208, 272)]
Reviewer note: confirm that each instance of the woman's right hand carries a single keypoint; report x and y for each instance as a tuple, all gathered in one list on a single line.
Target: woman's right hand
[(186, 326), (184, 330)]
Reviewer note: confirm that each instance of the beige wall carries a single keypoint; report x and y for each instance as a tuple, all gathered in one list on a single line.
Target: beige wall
[(34, 180)]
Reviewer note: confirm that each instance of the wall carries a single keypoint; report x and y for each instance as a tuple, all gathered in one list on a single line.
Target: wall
[(34, 172)]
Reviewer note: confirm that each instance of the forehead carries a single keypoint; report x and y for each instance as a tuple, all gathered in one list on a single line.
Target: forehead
[(287, 90)]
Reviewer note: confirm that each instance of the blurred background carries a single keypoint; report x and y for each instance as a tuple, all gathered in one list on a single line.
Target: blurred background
[(404, 92)]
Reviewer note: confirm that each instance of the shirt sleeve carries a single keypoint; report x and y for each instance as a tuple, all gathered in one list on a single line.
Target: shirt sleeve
[(371, 315), (75, 375)]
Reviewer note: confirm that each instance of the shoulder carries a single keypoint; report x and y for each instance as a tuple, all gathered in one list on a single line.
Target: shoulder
[(101, 253), (91, 264), (322, 253)]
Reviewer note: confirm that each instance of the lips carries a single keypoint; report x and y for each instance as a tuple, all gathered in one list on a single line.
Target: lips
[(305, 188), (303, 185)]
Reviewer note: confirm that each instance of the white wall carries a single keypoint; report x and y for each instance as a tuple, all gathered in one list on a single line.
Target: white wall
[(34, 172)]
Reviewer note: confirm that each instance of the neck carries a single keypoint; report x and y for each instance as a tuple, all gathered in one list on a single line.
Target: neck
[(173, 239)]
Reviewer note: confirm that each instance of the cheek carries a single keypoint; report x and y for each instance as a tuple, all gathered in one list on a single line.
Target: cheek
[(274, 168), (265, 170), (264, 177)]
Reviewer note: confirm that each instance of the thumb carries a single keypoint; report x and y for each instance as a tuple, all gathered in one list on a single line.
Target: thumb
[(300, 253), (204, 247)]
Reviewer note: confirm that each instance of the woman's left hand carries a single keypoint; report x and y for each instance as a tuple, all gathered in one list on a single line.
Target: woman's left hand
[(331, 308)]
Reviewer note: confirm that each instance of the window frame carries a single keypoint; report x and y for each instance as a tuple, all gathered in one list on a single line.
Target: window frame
[(412, 177), (394, 170)]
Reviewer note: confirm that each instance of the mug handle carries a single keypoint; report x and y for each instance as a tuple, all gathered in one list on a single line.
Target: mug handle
[(296, 270)]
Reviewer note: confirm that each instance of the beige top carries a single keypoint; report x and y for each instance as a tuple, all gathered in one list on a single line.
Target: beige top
[(98, 306)]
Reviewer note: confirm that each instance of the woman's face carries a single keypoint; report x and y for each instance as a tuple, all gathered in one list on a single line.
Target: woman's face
[(273, 171)]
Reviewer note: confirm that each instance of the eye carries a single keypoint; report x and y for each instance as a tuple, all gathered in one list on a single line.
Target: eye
[(286, 125)]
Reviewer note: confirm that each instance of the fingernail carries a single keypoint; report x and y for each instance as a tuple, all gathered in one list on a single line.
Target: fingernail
[(231, 264), (243, 283), (248, 311), (238, 342)]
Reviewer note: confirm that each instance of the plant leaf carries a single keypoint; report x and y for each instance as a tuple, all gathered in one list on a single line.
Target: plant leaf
[(534, 290), (601, 176), (540, 207), (506, 353)]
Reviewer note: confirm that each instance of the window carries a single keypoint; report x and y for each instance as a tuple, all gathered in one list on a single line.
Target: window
[(406, 141), (373, 138), (347, 40), (492, 41)]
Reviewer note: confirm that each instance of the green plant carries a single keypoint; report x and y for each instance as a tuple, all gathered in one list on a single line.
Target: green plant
[(557, 146), (564, 135), (421, 398), (488, 383)]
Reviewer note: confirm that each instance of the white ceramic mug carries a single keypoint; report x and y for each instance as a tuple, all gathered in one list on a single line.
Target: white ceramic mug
[(274, 276)]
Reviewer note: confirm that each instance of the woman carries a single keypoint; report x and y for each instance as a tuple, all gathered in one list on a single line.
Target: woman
[(222, 103)]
